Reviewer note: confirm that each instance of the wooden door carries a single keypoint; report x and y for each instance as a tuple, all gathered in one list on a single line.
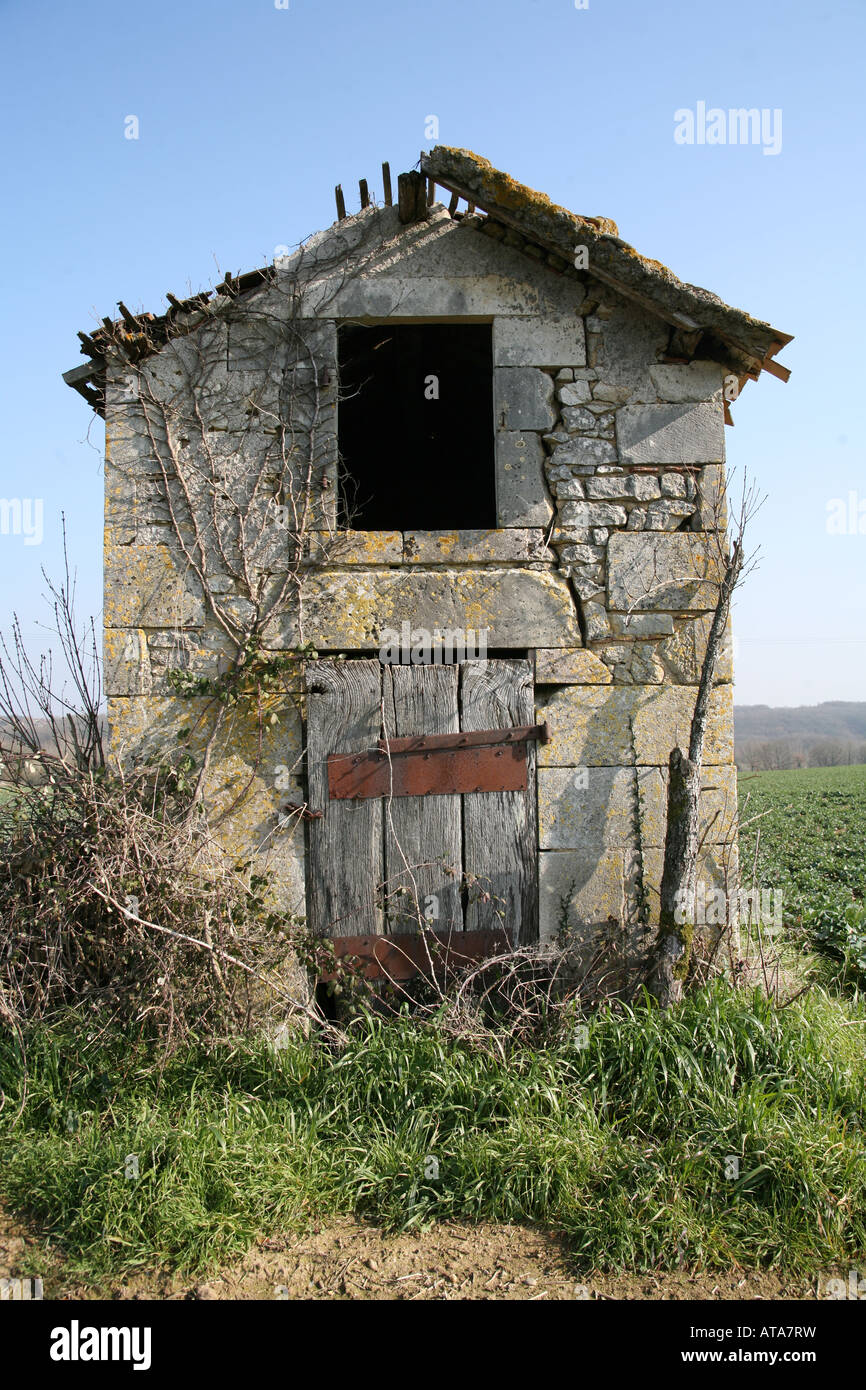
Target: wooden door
[(457, 862)]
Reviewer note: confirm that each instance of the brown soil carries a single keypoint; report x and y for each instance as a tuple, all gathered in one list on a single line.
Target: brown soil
[(345, 1259)]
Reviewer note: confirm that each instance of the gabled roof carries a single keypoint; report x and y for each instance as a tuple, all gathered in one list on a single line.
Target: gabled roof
[(703, 325), (750, 343)]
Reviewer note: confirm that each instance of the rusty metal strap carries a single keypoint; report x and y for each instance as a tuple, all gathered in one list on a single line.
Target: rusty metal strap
[(431, 772), (485, 760), (405, 954)]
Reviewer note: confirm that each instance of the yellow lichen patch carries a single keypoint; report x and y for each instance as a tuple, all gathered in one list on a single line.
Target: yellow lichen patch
[(252, 776)]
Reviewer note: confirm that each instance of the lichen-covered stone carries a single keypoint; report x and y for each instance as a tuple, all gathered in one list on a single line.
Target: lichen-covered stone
[(607, 726), (563, 666), (662, 572)]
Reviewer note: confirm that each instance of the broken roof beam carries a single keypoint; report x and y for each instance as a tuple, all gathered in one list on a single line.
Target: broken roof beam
[(411, 197)]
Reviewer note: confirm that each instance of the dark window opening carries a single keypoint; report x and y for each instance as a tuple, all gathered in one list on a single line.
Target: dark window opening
[(416, 427)]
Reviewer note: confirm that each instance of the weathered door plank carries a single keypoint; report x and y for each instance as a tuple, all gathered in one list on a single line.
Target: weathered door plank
[(499, 828), (423, 834), (346, 866)]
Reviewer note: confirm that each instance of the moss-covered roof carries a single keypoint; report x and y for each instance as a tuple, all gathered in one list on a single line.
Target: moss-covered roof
[(750, 342)]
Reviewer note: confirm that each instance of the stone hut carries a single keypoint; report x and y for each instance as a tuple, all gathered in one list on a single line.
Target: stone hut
[(448, 473)]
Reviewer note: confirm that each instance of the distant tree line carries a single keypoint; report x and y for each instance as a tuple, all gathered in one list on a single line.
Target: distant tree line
[(770, 754)]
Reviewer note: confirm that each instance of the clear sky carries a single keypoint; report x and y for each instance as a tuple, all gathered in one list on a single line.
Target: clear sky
[(249, 114)]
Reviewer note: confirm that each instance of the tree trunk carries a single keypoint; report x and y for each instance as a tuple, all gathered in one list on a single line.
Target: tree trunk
[(679, 881), (670, 956)]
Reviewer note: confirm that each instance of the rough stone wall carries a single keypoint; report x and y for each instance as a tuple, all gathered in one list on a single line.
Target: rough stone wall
[(608, 468)]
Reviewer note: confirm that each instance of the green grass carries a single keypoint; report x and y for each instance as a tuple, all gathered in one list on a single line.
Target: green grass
[(813, 847), (621, 1146)]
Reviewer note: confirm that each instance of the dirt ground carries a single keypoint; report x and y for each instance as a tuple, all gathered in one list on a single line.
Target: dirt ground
[(346, 1259)]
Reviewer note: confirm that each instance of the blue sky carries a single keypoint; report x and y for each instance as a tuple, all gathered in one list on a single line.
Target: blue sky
[(248, 115)]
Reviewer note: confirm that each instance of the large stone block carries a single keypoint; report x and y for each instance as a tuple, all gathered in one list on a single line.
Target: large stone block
[(682, 654), (431, 269), (612, 726), (579, 890), (717, 808), (524, 399), (355, 547), (671, 434), (589, 809), (146, 587), (350, 610), (718, 868), (264, 756), (662, 571), (691, 381), (538, 342), (522, 498)]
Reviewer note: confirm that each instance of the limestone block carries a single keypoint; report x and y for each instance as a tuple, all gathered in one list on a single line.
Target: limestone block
[(641, 486), (718, 868), (682, 654), (642, 624), (671, 434), (673, 485), (584, 888), (582, 554), (595, 617), (584, 453), (476, 547), (355, 547), (667, 514), (349, 610), (644, 669), (561, 666), (692, 381), (538, 342), (712, 511), (569, 489), (146, 587), (574, 392), (524, 399), (587, 514), (145, 729), (717, 814), (629, 340), (577, 418), (607, 726), (589, 809), (662, 571), (521, 496)]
